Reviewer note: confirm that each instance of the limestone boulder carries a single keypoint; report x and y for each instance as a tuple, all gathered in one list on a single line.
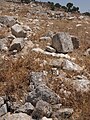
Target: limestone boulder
[(18, 31), (3, 110), (8, 20), (16, 116), (17, 44), (42, 92), (42, 109), (64, 43)]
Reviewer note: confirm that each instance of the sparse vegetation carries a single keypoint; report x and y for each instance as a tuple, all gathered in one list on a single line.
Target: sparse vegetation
[(15, 70), (57, 5), (86, 13)]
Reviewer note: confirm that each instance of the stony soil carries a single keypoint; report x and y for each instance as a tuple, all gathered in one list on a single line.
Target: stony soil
[(15, 70)]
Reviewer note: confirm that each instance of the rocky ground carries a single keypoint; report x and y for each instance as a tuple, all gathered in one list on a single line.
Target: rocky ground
[(44, 63)]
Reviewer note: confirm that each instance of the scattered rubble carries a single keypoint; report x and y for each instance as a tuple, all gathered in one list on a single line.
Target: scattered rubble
[(33, 37)]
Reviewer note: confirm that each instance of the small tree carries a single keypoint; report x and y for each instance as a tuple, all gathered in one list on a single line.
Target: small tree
[(26, 1), (57, 5), (69, 6), (87, 14), (52, 6), (64, 7), (75, 9)]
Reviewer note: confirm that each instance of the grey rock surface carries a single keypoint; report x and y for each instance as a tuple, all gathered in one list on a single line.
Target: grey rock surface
[(26, 108), (37, 78), (1, 101), (18, 31), (63, 114), (42, 109), (50, 49), (42, 92), (8, 20), (3, 110), (69, 65), (62, 42), (3, 44), (87, 52), (17, 44), (56, 63), (16, 116), (81, 84)]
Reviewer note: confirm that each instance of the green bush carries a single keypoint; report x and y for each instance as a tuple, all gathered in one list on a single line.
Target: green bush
[(52, 6), (69, 6), (26, 1), (87, 14), (57, 5)]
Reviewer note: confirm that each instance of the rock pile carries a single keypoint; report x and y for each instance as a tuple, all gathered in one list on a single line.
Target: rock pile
[(39, 104), (41, 101)]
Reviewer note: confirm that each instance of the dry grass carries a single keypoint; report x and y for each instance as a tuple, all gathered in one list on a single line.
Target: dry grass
[(14, 72)]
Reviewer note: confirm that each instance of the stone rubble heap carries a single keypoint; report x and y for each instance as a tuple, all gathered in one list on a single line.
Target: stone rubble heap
[(41, 102)]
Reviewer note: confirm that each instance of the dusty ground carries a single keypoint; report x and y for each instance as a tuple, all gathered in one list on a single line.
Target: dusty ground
[(14, 73)]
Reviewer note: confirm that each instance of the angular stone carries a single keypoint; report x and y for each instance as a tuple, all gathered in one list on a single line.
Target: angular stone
[(56, 107), (3, 44), (87, 52), (81, 84), (16, 116), (1, 101), (8, 20), (42, 92), (68, 65), (18, 31), (17, 44), (42, 109), (13, 106), (56, 63), (63, 113), (50, 49), (37, 78), (50, 34), (62, 42), (45, 118), (3, 110), (27, 28), (58, 55), (45, 38), (26, 108)]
